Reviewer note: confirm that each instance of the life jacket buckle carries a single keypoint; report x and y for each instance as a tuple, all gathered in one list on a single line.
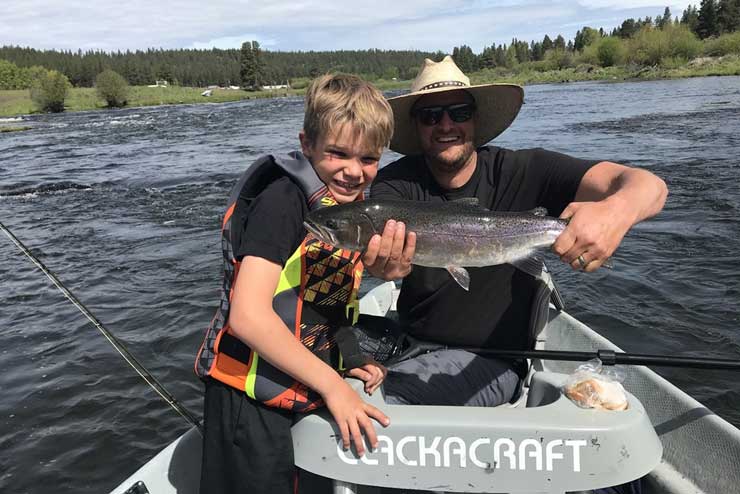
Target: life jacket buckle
[(354, 308)]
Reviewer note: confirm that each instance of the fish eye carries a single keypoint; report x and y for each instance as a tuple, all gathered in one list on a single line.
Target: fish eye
[(332, 224)]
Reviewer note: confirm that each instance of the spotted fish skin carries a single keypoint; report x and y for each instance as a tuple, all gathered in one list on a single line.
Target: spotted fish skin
[(449, 234)]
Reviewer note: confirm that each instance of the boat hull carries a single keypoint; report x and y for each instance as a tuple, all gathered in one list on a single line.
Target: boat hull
[(701, 451)]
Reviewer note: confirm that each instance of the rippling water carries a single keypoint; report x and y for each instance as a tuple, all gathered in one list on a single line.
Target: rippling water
[(124, 206)]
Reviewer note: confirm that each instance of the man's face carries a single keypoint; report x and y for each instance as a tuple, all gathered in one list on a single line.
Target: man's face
[(447, 145), (344, 161)]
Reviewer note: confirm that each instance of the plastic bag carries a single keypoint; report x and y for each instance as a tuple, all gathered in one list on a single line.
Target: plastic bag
[(593, 386)]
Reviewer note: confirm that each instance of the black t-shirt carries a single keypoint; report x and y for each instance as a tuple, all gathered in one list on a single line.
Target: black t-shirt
[(275, 227), (495, 312)]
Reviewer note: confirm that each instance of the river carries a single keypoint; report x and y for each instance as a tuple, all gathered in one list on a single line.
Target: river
[(124, 206)]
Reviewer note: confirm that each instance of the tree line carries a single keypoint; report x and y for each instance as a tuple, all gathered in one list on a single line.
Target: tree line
[(200, 68), (711, 19), (251, 67)]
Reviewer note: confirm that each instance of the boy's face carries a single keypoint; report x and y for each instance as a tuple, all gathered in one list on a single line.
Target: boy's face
[(344, 161)]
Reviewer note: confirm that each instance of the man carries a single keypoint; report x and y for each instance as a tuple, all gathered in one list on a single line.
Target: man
[(442, 127)]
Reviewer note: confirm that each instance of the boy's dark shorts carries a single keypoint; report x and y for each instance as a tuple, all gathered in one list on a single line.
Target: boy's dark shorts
[(247, 447)]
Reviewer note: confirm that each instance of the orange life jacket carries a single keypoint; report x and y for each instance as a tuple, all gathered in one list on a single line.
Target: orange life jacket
[(316, 294)]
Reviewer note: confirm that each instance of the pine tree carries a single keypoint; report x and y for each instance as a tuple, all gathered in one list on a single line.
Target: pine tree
[(537, 52), (663, 22), (465, 58), (559, 43), (707, 25), (487, 58), (728, 16), (251, 67), (690, 18), (585, 37), (628, 28), (501, 55), (511, 56), (546, 44)]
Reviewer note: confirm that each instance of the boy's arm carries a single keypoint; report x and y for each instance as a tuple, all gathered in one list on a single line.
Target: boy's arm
[(372, 373), (254, 321)]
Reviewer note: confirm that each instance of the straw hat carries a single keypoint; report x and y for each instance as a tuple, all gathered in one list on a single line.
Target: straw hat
[(497, 104)]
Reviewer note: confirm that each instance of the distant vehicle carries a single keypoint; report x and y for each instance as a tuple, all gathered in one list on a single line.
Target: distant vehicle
[(159, 83)]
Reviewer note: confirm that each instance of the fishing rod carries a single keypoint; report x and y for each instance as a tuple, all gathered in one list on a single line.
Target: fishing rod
[(122, 350), (610, 357)]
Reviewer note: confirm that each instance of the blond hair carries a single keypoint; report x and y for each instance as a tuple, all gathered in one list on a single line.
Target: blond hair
[(336, 100)]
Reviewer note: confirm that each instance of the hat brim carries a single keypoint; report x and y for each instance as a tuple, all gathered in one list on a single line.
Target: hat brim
[(497, 105)]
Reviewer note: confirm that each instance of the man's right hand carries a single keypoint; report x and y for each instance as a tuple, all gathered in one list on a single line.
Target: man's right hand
[(389, 256)]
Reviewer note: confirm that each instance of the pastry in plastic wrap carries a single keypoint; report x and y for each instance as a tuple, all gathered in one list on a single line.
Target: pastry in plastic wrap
[(590, 387)]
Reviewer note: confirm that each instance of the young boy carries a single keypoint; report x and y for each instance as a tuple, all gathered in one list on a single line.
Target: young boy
[(270, 351)]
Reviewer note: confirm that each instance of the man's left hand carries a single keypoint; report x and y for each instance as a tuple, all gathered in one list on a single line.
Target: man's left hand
[(593, 234)]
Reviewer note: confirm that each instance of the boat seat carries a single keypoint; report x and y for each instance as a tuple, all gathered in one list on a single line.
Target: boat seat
[(550, 445)]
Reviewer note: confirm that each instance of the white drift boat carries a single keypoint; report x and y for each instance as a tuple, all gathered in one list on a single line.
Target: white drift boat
[(541, 444)]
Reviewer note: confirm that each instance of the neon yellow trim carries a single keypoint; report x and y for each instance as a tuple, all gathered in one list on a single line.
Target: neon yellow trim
[(290, 276), (251, 379), (354, 306)]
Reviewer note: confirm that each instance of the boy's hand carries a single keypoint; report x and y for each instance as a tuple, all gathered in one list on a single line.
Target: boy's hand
[(371, 373), (389, 256), (353, 415)]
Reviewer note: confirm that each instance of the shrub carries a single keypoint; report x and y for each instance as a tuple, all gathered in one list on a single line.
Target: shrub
[(650, 46), (558, 59), (49, 90), (299, 83), (12, 76), (724, 45), (589, 55), (684, 43), (112, 87), (538, 66), (610, 51)]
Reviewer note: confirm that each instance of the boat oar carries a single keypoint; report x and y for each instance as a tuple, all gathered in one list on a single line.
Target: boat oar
[(610, 357), (127, 356)]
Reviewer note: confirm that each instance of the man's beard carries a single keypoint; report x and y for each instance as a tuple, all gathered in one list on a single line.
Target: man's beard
[(452, 164)]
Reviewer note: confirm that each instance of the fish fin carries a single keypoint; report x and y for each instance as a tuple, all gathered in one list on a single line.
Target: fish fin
[(538, 211), (460, 275), (530, 265), (472, 202)]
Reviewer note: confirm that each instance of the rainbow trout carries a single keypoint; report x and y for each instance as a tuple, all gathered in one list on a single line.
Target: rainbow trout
[(449, 235)]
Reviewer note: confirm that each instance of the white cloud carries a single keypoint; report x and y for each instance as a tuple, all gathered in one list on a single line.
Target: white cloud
[(676, 7), (305, 24)]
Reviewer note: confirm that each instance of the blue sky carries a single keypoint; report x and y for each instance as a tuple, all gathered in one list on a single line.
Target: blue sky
[(307, 24)]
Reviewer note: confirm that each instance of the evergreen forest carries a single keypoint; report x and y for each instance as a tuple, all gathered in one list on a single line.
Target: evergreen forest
[(694, 33)]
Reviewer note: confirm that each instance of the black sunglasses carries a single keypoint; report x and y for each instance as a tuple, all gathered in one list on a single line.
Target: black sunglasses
[(432, 115)]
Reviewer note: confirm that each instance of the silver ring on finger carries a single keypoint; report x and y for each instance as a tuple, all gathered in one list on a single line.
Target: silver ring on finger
[(581, 261)]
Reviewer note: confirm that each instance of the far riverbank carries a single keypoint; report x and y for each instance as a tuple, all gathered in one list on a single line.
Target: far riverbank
[(18, 102)]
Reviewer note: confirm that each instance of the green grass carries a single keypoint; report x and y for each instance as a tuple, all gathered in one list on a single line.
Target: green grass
[(15, 102), (18, 102)]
